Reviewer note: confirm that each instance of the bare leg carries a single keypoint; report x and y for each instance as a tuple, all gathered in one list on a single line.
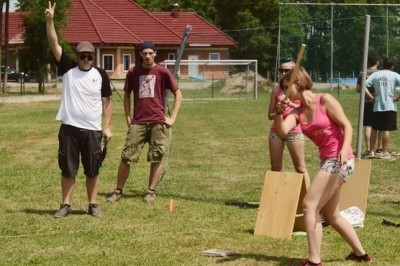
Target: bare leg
[(276, 147), (122, 176), (367, 136), (341, 225), (123, 173), (324, 187), (296, 150), (155, 171), (67, 187), (92, 188), (380, 137), (385, 140), (373, 139)]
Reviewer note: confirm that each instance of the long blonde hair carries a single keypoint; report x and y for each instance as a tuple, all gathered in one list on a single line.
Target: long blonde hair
[(302, 78)]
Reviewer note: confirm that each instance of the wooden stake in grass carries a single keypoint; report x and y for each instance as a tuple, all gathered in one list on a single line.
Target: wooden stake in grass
[(171, 205), (295, 69)]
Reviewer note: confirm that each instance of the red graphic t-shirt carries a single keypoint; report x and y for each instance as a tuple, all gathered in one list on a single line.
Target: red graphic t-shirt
[(149, 87)]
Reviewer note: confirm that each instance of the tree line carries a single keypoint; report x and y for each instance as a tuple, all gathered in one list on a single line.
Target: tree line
[(263, 29), (267, 30)]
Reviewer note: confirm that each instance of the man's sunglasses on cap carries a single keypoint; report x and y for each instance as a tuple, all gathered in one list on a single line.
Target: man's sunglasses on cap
[(83, 56)]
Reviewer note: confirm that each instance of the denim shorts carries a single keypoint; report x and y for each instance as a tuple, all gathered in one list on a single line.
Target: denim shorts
[(138, 136), (332, 165), (291, 137)]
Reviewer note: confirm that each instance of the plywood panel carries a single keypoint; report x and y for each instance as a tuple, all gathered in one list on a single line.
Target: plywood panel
[(278, 204), (355, 191)]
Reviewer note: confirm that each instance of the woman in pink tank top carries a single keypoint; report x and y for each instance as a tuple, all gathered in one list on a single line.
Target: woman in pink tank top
[(294, 140), (322, 119)]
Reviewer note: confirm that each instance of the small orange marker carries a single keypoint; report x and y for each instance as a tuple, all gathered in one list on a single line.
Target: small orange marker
[(171, 205)]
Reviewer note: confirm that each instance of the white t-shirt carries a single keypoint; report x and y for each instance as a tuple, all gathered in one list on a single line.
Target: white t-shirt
[(81, 97)]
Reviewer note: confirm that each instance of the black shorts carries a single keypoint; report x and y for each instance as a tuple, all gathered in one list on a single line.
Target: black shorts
[(368, 114), (385, 121), (73, 142)]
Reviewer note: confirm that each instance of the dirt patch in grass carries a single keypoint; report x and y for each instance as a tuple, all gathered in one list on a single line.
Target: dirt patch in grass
[(244, 82)]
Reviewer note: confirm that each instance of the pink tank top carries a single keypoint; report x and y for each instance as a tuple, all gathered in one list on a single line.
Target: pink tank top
[(324, 132), (278, 97)]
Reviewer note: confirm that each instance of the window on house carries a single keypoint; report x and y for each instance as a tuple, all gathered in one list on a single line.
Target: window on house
[(214, 56), (108, 62), (171, 56), (126, 59)]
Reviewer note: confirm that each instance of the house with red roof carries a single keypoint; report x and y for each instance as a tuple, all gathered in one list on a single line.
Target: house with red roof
[(118, 27)]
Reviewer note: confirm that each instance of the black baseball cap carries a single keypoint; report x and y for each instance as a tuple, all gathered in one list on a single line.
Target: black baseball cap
[(147, 45)]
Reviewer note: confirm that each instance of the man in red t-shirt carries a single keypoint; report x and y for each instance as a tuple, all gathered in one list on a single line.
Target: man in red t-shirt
[(149, 83)]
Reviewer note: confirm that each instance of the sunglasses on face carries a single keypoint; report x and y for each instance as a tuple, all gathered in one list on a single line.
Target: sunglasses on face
[(284, 70), (83, 56)]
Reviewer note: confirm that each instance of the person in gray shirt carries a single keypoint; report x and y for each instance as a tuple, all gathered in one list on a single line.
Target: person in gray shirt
[(384, 83)]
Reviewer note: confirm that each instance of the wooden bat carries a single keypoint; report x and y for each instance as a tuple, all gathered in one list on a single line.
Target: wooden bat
[(295, 69)]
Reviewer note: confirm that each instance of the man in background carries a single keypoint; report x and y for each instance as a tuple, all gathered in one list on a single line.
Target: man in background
[(373, 64), (384, 83)]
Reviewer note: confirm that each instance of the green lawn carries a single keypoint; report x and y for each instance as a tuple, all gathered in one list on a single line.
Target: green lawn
[(220, 155)]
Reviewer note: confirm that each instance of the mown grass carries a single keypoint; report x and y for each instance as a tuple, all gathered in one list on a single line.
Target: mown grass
[(220, 155)]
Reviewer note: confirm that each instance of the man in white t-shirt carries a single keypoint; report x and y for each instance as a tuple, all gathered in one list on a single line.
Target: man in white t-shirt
[(85, 104)]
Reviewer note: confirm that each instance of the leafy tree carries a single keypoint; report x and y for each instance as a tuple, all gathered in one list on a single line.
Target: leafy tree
[(254, 43), (244, 21), (313, 25), (293, 30), (36, 54), (253, 24), (155, 5)]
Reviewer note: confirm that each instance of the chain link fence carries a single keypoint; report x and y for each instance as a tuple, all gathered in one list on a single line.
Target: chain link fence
[(217, 79), (334, 37)]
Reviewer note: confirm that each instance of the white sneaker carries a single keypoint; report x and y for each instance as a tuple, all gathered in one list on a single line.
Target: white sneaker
[(369, 154)]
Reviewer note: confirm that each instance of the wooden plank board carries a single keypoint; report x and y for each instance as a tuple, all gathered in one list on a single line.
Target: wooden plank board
[(355, 191), (299, 221), (278, 204)]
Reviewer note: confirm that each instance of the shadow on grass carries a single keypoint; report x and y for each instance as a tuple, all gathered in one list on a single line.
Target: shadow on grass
[(286, 261), (392, 214), (261, 258), (243, 204), (250, 231), (228, 202), (131, 194), (52, 212)]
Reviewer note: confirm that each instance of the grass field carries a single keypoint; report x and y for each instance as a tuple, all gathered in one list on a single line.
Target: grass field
[(220, 155)]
